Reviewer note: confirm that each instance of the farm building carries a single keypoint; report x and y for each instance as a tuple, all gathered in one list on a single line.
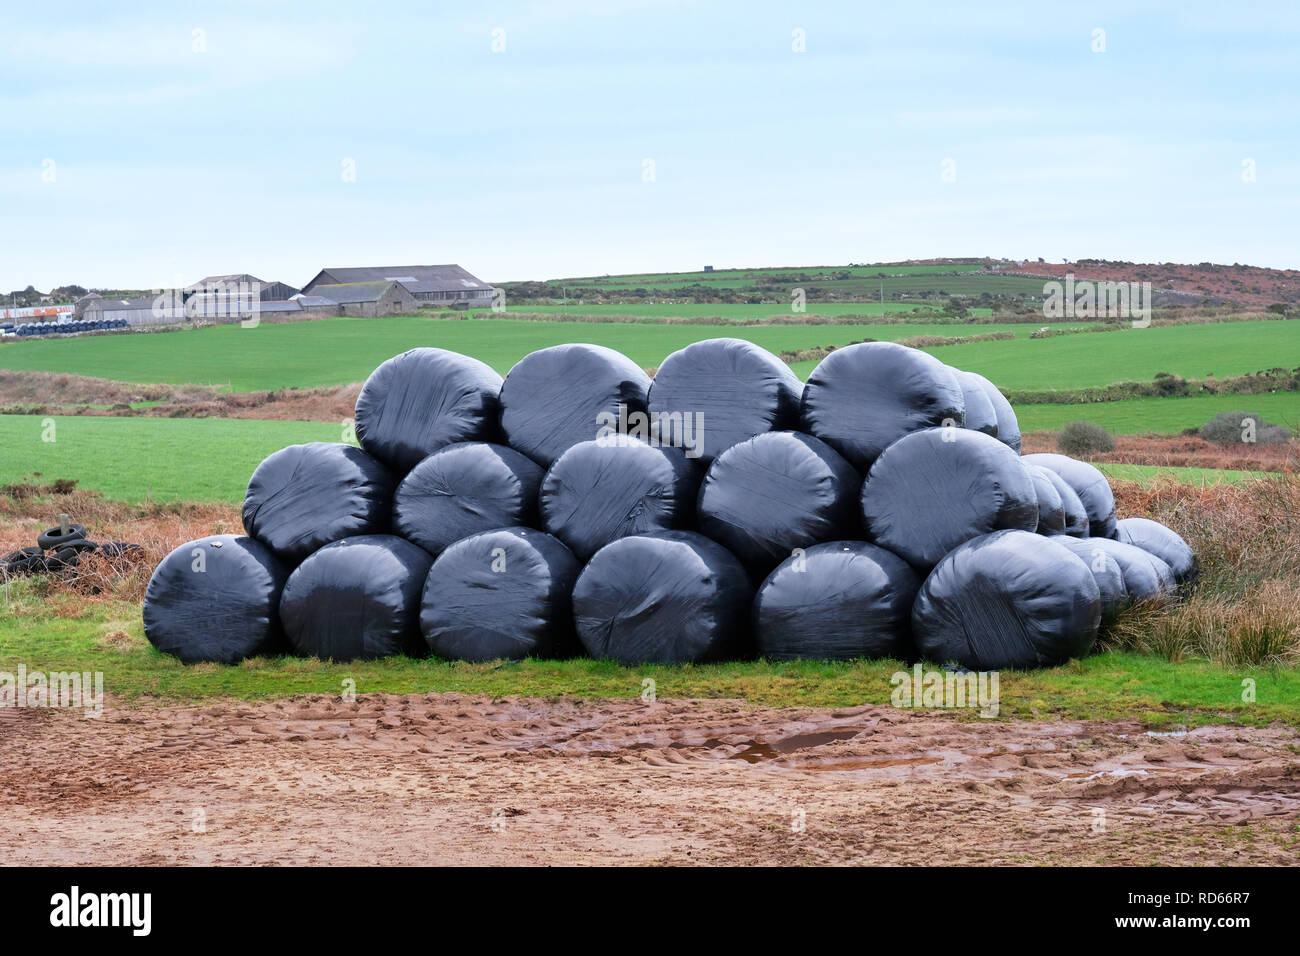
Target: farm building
[(365, 299), (150, 310), (449, 283), (266, 291)]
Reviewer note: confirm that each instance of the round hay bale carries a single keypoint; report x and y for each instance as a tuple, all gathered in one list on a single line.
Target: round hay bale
[(672, 597), (1076, 516), (1146, 577), (1008, 427), (776, 492), (722, 392), (216, 599), (609, 488), (981, 416), (1007, 599), (840, 600), (1105, 569), (557, 397), (303, 497), (421, 400), (862, 398), (463, 489), (357, 599), (1160, 541), (936, 488), (501, 594), (1089, 484), (1051, 510)]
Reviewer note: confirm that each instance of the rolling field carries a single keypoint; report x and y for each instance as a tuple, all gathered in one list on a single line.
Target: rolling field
[(343, 350), (1103, 358), (211, 459), (1139, 416)]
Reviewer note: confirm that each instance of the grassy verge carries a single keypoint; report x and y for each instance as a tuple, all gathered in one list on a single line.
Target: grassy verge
[(61, 634)]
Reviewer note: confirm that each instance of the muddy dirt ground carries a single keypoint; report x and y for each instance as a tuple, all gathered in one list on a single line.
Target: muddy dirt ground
[(465, 780)]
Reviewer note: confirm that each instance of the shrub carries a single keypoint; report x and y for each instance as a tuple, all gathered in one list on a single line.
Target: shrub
[(1082, 438), (1227, 428)]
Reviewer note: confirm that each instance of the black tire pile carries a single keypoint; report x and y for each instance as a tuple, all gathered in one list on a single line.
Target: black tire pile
[(60, 550), (721, 511)]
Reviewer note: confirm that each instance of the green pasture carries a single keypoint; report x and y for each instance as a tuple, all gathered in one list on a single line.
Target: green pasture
[(1138, 416)]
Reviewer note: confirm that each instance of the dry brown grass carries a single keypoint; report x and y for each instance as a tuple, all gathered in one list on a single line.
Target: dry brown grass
[(48, 393), (1180, 451), (157, 528), (1243, 607)]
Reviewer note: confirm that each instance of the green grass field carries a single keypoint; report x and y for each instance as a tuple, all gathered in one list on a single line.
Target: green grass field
[(1104, 686), (1133, 355), (1139, 416), (163, 459), (342, 350), (211, 459)]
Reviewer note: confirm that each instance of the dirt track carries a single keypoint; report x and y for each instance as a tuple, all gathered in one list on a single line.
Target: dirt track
[(455, 779)]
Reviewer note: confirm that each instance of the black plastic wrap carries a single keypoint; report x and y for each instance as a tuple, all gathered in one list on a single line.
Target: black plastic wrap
[(981, 416), (556, 397), (1145, 576), (605, 489), (1076, 516), (839, 600), (216, 599), (1008, 427), (356, 599), (1156, 539), (305, 496), (936, 488), (862, 398), (1051, 510), (672, 597), (1105, 569), (1089, 484), (776, 492), (501, 594), (737, 389), (463, 489), (421, 400), (1010, 599)]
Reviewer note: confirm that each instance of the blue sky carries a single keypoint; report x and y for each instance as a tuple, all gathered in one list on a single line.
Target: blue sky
[(170, 163)]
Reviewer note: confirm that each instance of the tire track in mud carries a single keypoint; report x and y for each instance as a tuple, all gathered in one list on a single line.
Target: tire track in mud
[(459, 779)]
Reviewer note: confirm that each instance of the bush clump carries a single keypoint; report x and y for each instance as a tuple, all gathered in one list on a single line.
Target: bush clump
[(1231, 428), (1084, 438)]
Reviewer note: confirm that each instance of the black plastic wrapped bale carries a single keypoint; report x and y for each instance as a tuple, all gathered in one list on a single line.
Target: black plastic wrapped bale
[(1010, 599), (1051, 510), (1008, 427), (1105, 569), (1089, 484), (672, 597), (356, 599), (216, 599), (463, 489), (939, 487), (776, 492), (731, 388), (557, 397), (839, 600), (1166, 544), (609, 488), (303, 497), (1076, 516), (1146, 577), (862, 398), (421, 400), (501, 594), (981, 416)]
